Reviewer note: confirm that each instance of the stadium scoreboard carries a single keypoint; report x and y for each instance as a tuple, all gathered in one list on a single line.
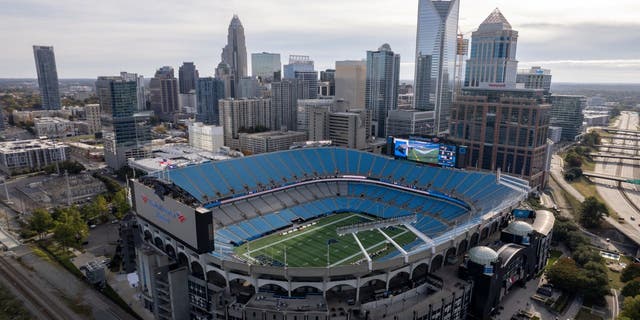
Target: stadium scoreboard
[(432, 151)]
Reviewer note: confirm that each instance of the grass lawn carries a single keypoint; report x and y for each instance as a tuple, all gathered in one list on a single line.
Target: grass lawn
[(308, 247), (554, 255), (584, 314), (614, 277)]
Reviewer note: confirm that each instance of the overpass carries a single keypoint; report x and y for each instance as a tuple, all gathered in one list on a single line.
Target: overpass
[(620, 131), (613, 178), (613, 156), (618, 147), (621, 138)]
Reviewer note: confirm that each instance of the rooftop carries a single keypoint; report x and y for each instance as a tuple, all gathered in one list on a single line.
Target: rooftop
[(497, 18)]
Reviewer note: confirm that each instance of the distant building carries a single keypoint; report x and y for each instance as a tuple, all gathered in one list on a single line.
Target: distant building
[(164, 94), (270, 141), (103, 91), (535, 78), (599, 120), (567, 113), (54, 127), (209, 92), (234, 53), (383, 72), (223, 73), (265, 66), (140, 91), (31, 155), (436, 44), (305, 113), (245, 115), (410, 122), (205, 137), (297, 63), (328, 76), (47, 77), (248, 88), (307, 82), (351, 82), (493, 54), (188, 76)]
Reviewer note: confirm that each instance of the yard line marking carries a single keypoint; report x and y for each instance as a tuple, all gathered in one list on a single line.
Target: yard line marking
[(369, 248)]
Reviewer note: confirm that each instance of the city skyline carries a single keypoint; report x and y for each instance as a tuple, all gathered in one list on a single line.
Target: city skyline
[(575, 47)]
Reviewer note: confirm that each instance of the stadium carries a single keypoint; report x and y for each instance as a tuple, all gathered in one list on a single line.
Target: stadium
[(316, 228)]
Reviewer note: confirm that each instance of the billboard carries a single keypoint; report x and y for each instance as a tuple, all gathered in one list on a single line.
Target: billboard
[(177, 219), (447, 155)]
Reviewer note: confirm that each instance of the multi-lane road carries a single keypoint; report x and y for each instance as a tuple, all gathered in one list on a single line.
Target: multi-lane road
[(623, 199)]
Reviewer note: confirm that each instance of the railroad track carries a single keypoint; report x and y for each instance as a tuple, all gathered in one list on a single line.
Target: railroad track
[(34, 294)]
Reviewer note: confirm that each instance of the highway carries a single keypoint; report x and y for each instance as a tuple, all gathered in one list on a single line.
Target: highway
[(622, 199)]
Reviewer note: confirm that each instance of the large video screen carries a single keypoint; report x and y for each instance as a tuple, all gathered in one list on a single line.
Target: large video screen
[(420, 151), (447, 156)]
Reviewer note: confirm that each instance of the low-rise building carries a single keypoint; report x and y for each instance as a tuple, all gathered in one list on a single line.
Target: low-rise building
[(54, 127), (270, 141), (31, 155), (205, 137)]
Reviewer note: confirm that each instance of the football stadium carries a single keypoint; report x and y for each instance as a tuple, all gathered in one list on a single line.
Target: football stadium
[(295, 234)]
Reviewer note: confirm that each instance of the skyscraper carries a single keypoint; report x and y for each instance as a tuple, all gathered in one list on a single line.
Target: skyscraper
[(47, 77), (235, 52), (265, 66), (188, 76), (164, 93), (535, 78), (436, 45), (223, 73), (329, 76), (383, 72), (142, 100), (244, 115), (209, 91), (103, 91), (493, 54), (351, 81), (566, 113), (297, 63)]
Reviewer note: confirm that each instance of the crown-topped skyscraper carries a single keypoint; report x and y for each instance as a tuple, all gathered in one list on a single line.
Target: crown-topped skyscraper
[(493, 54), (235, 53)]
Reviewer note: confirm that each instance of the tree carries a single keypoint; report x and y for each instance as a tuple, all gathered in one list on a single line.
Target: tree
[(632, 288), (631, 308), (573, 173), (584, 254), (591, 212), (40, 221), (565, 274), (591, 139), (70, 228), (632, 271), (573, 160), (121, 203), (102, 206), (595, 283)]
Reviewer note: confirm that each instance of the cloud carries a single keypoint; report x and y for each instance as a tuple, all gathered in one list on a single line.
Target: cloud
[(94, 38)]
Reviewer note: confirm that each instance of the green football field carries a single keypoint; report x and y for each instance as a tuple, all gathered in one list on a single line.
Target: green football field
[(429, 157), (308, 247)]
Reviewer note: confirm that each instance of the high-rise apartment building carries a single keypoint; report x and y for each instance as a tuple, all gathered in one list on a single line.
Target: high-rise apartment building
[(188, 76), (410, 122), (436, 45), (535, 78), (503, 129), (164, 94), (492, 62), (142, 100), (209, 91), (383, 72), (235, 53), (297, 63), (265, 66), (566, 113), (244, 115), (351, 81), (284, 100), (47, 77)]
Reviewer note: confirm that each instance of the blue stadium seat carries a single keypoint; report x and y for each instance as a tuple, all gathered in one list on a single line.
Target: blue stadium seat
[(353, 162), (341, 161)]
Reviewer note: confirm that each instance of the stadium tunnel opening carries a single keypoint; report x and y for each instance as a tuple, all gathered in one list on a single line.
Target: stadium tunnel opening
[(216, 279)]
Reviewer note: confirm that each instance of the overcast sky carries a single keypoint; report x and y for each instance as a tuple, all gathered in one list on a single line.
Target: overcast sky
[(580, 40)]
